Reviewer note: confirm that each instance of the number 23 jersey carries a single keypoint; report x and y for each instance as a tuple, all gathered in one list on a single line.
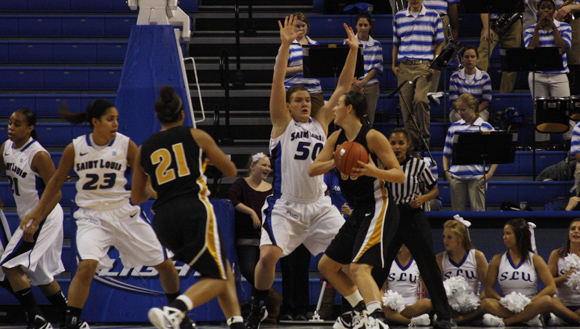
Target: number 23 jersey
[(292, 154), (101, 171)]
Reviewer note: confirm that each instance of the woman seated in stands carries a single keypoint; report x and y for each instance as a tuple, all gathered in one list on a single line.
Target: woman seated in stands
[(517, 270), (470, 80), (460, 258), (404, 278), (466, 180), (566, 303)]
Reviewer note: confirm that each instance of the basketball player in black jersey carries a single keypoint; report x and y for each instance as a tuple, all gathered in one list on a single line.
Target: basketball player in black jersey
[(363, 240), (175, 159)]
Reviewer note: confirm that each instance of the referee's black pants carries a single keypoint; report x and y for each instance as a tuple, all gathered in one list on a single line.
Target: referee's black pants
[(415, 232)]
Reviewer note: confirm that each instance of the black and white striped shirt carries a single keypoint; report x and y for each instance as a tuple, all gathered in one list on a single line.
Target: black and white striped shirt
[(417, 174)]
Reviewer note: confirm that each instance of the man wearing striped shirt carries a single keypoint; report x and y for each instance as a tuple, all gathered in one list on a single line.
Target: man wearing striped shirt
[(447, 10), (417, 41), (548, 32)]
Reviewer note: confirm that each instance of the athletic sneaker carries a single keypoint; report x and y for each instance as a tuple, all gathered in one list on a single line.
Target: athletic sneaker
[(258, 314), (490, 320), (166, 317), (535, 321), (39, 323), (77, 323), (187, 323), (420, 321), (344, 321), (554, 320)]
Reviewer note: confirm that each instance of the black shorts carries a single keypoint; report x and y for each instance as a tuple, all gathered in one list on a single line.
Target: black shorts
[(188, 227), (366, 235)]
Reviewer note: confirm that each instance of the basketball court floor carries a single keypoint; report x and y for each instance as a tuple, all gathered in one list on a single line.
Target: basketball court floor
[(264, 326)]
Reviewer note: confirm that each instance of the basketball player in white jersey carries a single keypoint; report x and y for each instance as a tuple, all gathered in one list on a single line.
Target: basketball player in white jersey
[(405, 279), (298, 211), (517, 270), (28, 168), (460, 258), (105, 216)]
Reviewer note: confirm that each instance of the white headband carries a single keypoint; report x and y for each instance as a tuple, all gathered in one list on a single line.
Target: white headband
[(256, 157), (466, 223), (531, 227)]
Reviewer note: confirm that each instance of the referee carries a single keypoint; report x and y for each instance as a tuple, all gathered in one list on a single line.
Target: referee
[(414, 230)]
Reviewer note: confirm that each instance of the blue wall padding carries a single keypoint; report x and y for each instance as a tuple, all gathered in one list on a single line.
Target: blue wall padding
[(152, 61)]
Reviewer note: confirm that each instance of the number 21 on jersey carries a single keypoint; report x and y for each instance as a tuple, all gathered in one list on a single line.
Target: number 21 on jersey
[(162, 158)]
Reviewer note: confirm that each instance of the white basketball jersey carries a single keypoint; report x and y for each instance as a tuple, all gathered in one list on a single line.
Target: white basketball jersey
[(292, 154), (27, 186), (519, 278), (101, 171), (466, 268), (405, 280), (567, 295)]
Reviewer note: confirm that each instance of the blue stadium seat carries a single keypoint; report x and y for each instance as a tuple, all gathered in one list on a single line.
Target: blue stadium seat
[(30, 52), (119, 26), (17, 78), (73, 78), (87, 99), (10, 103), (54, 134), (75, 52), (83, 26), (40, 26), (104, 78), (111, 51), (47, 105), (91, 6), (14, 5), (328, 25), (4, 52), (52, 5), (437, 130), (8, 25)]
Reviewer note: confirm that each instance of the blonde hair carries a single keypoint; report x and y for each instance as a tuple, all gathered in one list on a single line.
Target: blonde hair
[(470, 101), (457, 228)]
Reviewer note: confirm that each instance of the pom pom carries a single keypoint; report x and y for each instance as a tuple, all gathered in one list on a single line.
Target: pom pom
[(573, 281), (461, 298), (455, 285), (394, 301), (571, 261), (515, 302)]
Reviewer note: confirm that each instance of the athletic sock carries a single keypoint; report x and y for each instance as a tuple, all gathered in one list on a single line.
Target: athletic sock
[(26, 299), (260, 296), (354, 299), (373, 306), (172, 297), (59, 301), (235, 319), (182, 303), (73, 316)]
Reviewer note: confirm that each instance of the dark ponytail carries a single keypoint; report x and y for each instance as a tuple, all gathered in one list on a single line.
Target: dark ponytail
[(168, 105), (96, 109)]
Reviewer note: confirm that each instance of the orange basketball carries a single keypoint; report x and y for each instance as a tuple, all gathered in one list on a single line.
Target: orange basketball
[(347, 156)]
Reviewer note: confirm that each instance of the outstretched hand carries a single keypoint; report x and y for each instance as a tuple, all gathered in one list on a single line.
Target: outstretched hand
[(351, 40), (287, 33)]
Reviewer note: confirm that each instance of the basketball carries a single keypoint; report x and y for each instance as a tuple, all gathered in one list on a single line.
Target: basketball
[(347, 156)]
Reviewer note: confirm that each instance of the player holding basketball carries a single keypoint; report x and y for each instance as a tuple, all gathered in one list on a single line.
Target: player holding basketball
[(298, 211), (364, 239)]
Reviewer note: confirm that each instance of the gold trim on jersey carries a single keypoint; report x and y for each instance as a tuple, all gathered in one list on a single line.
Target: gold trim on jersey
[(212, 233), (376, 230)]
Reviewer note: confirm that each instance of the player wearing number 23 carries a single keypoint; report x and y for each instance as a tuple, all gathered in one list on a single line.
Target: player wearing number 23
[(105, 217)]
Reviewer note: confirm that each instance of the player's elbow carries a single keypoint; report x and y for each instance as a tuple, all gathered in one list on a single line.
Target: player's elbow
[(231, 171), (400, 177)]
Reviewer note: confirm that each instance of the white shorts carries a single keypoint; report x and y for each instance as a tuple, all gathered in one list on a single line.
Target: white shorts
[(41, 259), (122, 228), (289, 224)]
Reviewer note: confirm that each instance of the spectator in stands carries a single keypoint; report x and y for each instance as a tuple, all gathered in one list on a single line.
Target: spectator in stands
[(517, 270), (447, 10), (295, 70), (411, 62), (460, 258), (102, 198), (37, 262), (563, 14), (510, 36), (548, 32), (248, 195), (373, 64), (566, 303), (573, 204), (466, 180), (470, 80), (404, 278)]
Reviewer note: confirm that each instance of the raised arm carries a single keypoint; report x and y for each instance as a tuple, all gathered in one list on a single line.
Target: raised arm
[(325, 115), (279, 113)]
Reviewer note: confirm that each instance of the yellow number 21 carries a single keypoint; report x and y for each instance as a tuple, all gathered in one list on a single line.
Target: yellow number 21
[(164, 159)]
